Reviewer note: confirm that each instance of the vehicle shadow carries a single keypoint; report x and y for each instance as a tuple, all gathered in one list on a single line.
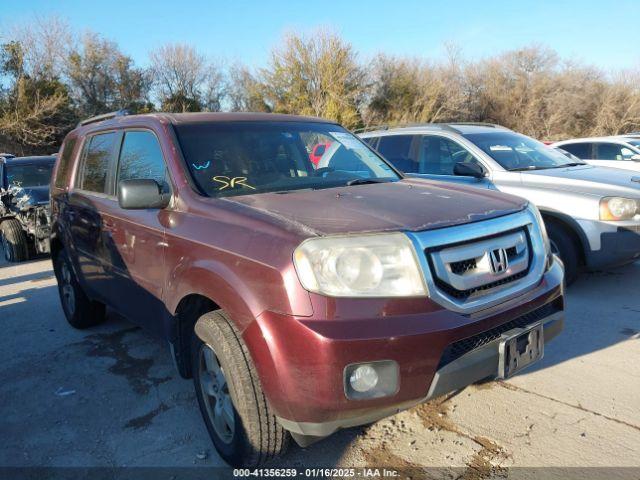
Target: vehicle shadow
[(602, 309)]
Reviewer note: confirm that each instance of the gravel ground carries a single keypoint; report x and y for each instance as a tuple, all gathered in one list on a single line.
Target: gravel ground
[(111, 397)]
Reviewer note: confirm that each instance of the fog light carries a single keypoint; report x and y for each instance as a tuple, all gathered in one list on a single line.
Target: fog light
[(363, 378), (371, 380)]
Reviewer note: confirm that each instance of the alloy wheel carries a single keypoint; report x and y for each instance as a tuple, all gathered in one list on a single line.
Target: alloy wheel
[(68, 293), (216, 395)]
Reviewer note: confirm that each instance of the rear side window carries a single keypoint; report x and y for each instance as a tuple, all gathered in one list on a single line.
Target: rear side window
[(95, 170), (141, 157), (580, 150), (64, 168), (610, 151), (397, 149)]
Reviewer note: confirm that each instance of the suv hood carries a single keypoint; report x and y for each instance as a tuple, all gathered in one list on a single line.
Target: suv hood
[(409, 204), (588, 179)]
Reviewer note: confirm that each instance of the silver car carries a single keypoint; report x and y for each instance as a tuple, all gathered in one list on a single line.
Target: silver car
[(592, 214)]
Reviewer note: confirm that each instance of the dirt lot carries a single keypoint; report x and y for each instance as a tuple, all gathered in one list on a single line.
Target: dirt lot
[(111, 397)]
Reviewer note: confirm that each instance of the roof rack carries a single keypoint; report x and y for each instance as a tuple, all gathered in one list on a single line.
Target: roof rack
[(477, 124), (442, 126), (104, 116)]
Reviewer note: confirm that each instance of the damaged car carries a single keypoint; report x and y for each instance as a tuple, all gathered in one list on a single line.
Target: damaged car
[(24, 206)]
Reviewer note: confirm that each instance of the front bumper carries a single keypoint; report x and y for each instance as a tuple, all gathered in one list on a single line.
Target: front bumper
[(618, 245), (301, 361)]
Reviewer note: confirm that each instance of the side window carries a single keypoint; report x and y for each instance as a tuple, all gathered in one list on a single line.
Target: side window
[(580, 150), (141, 157), (372, 141), (439, 155), (397, 149), (65, 162), (627, 153), (95, 168), (608, 151)]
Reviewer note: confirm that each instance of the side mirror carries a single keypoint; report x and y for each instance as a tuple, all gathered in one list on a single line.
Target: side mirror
[(141, 194), (636, 157), (468, 170)]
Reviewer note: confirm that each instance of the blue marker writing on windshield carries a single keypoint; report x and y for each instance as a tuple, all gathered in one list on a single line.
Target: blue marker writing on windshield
[(201, 167)]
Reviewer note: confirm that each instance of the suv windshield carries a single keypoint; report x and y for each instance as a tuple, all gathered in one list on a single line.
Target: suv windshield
[(29, 174), (519, 152), (243, 158)]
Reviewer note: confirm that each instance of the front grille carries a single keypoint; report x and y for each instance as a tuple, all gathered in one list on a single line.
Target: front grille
[(461, 347), (471, 292), (460, 270)]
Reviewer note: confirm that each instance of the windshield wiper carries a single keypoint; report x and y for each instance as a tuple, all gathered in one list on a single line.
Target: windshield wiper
[(524, 169), (364, 181)]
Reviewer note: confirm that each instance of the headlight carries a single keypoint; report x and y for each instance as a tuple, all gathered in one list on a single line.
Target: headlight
[(543, 232), (378, 265), (618, 208)]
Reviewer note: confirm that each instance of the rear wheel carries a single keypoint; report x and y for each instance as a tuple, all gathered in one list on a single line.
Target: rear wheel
[(241, 425), (81, 312), (563, 245), (14, 241)]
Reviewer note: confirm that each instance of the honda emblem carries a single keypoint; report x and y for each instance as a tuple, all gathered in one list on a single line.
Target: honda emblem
[(498, 261)]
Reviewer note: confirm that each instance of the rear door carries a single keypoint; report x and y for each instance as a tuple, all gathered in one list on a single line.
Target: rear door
[(616, 155), (91, 197), (139, 235)]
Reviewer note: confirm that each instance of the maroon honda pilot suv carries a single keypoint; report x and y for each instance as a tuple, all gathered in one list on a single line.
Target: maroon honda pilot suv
[(301, 298)]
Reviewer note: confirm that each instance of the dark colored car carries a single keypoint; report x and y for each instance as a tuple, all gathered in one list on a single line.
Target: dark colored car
[(24, 206), (295, 320)]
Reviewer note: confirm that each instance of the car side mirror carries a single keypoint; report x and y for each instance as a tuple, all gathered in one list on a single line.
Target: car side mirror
[(636, 157), (141, 194), (464, 169)]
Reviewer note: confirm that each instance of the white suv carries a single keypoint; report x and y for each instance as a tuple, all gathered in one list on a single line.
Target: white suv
[(616, 152), (592, 214)]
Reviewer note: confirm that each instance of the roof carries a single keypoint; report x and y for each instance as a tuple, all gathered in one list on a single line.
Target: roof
[(612, 138), (454, 127), (121, 117)]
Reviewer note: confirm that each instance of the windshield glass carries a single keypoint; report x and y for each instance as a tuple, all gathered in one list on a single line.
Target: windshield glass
[(519, 152), (635, 143), (29, 175), (244, 158)]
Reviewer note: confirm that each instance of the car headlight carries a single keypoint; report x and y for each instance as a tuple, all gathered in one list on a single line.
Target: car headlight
[(376, 265), (543, 232), (618, 208)]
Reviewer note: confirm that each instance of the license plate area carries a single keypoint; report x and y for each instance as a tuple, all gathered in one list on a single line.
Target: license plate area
[(519, 350)]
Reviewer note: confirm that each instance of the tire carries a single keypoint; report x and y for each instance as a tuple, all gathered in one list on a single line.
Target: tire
[(79, 310), (563, 244), (255, 436), (14, 241)]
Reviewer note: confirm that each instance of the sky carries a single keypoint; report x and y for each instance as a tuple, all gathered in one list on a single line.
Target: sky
[(600, 33)]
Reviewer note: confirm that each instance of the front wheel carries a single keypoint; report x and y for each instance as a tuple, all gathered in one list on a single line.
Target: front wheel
[(562, 244), (14, 241), (240, 423)]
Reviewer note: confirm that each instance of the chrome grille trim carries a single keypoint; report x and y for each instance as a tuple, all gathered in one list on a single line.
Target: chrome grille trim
[(445, 246), (444, 261)]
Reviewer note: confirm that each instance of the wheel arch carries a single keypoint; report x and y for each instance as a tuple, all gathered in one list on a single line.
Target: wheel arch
[(201, 288), (571, 226)]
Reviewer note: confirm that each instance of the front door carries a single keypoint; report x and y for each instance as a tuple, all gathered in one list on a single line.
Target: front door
[(139, 235), (438, 156)]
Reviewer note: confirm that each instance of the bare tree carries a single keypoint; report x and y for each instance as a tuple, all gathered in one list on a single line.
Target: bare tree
[(316, 75), (184, 80), (102, 78), (45, 42), (244, 91)]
